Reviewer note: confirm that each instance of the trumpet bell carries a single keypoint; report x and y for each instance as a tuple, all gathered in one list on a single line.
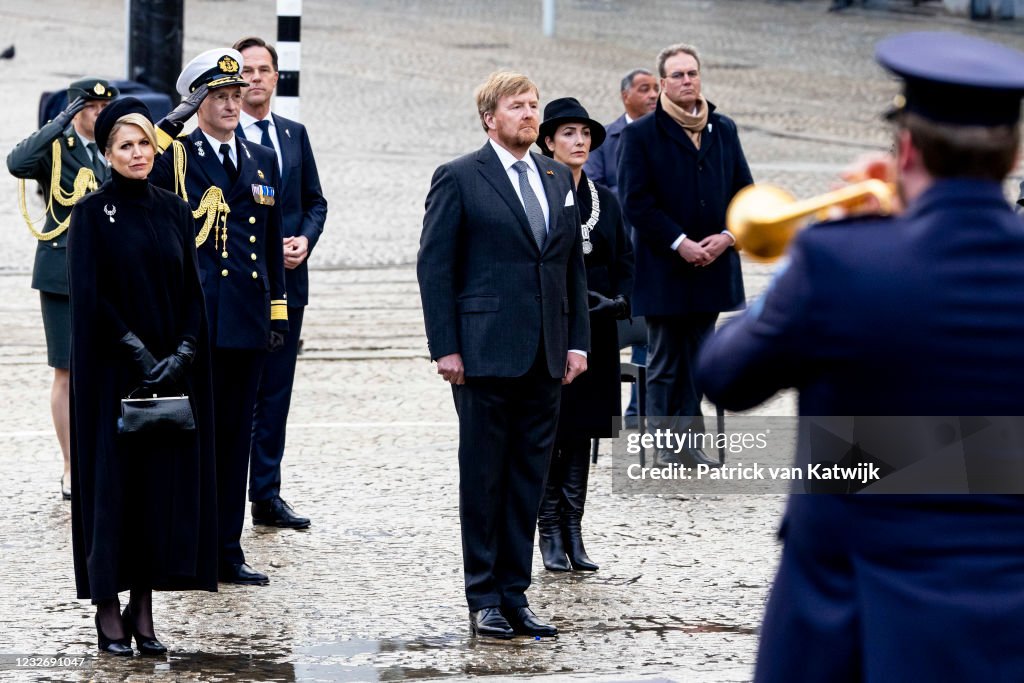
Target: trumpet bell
[(761, 240), (764, 218)]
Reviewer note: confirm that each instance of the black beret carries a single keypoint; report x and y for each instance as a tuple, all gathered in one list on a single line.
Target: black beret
[(112, 112)]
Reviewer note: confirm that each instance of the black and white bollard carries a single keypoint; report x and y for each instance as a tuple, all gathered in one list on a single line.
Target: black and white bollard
[(289, 29)]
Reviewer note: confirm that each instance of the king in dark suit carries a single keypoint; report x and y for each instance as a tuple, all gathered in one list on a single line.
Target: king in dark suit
[(921, 314), (233, 186), (303, 213), (504, 290)]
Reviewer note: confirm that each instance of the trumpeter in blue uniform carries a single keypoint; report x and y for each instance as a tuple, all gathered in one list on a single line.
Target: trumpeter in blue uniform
[(231, 185), (917, 314)]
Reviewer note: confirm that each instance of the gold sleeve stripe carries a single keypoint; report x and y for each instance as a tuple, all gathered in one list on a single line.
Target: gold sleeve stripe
[(278, 311), (163, 140)]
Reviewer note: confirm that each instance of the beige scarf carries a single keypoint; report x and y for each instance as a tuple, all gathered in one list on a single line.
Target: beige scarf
[(693, 124)]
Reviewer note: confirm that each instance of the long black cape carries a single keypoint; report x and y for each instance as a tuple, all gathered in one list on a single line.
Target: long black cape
[(144, 509)]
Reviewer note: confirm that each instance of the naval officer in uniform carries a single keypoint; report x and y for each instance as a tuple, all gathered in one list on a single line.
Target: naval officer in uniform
[(231, 184), (918, 314), (303, 214), (62, 157)]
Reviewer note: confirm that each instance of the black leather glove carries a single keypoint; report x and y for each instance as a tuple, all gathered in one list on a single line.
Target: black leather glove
[(64, 118), (176, 118), (171, 370), (600, 305), (276, 341), (621, 307), (140, 354)]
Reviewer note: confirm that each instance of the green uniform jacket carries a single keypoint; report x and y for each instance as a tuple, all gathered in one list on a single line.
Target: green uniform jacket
[(32, 159)]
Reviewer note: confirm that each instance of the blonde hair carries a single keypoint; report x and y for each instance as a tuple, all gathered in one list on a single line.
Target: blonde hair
[(500, 84), (133, 119)]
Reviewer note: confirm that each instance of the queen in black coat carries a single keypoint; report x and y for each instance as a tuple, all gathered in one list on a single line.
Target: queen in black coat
[(593, 399), (144, 507)]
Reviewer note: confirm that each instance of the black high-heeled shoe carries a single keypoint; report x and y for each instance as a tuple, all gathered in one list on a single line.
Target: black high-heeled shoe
[(121, 647), (147, 645), (65, 491)]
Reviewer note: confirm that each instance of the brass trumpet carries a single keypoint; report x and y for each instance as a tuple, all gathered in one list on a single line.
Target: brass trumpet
[(764, 218)]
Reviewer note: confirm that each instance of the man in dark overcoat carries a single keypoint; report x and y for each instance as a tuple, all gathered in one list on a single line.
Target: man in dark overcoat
[(678, 170), (504, 297), (921, 314), (233, 184)]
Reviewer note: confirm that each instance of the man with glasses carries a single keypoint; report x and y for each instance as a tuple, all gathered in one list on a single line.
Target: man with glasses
[(678, 171), (232, 184)]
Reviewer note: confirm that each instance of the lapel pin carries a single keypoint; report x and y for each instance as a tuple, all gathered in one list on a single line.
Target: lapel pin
[(259, 173), (709, 127), (288, 132), (551, 173), (71, 142), (199, 148), (110, 211)]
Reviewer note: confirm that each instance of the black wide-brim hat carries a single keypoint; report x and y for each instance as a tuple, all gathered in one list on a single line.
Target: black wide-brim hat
[(568, 110), (112, 112)]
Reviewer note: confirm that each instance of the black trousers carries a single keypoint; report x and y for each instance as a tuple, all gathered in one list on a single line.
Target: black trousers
[(506, 434), (273, 401), (236, 375), (672, 345)]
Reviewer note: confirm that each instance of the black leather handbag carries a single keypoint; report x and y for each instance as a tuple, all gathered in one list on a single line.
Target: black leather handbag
[(155, 415)]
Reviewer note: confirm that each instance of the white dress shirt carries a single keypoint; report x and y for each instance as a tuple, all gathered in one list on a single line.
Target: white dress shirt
[(507, 159), (533, 176), (253, 133), (215, 146)]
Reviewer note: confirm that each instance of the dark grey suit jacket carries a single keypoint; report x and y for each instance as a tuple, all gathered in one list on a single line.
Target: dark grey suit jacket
[(488, 292)]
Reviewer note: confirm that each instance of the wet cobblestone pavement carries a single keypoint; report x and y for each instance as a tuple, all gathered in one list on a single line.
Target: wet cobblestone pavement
[(373, 590)]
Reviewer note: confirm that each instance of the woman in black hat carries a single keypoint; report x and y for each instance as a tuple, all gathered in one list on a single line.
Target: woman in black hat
[(590, 403), (143, 505)]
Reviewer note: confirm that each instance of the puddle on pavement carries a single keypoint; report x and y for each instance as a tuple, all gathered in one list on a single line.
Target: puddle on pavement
[(390, 659)]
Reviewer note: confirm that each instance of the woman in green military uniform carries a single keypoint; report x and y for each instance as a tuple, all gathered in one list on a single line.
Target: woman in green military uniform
[(62, 157)]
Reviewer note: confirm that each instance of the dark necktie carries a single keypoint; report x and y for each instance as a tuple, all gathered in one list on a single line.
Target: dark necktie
[(265, 138), (229, 166), (99, 169), (534, 212)]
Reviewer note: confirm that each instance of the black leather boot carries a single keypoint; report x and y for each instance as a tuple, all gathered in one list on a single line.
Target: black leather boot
[(549, 528), (574, 493)]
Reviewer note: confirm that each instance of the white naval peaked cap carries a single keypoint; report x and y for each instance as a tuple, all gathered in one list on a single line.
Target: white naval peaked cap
[(216, 68)]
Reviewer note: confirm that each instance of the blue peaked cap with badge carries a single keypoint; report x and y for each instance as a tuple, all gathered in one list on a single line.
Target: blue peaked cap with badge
[(955, 79)]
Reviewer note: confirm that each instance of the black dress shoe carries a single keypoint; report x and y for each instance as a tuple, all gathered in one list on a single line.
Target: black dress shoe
[(121, 647), (148, 645), (525, 623), (243, 574), (276, 512), (489, 622), (65, 489)]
